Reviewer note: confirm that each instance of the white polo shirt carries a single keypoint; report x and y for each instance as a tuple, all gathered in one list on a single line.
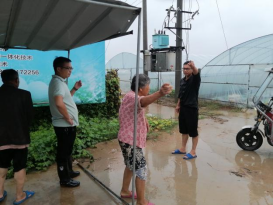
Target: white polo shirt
[(58, 87)]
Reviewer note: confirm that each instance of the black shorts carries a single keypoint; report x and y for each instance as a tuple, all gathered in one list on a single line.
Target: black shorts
[(188, 121), (18, 156)]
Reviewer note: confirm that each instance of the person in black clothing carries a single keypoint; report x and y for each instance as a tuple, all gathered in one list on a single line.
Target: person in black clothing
[(187, 107), (16, 110)]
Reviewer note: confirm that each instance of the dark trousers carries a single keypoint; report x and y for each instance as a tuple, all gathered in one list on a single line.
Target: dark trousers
[(65, 138)]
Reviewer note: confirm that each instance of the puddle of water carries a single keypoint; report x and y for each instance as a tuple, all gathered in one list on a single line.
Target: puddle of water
[(222, 173), (162, 111), (209, 179)]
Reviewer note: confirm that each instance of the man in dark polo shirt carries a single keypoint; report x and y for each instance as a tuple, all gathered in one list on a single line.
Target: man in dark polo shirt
[(187, 107)]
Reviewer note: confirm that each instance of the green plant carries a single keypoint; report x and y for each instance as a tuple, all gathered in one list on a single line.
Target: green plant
[(42, 149), (158, 124), (94, 130)]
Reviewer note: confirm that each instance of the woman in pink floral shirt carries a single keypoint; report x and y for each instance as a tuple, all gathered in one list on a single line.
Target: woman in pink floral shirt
[(126, 135)]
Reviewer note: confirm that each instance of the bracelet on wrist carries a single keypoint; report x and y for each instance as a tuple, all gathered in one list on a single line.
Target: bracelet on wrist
[(74, 89)]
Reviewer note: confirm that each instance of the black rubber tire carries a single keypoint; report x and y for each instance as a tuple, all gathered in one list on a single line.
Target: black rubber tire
[(248, 142)]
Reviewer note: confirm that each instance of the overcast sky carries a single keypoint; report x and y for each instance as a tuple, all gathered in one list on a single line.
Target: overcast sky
[(243, 20)]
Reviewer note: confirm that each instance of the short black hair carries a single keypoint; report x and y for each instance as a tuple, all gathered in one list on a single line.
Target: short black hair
[(186, 62), (59, 62), (143, 81), (9, 75)]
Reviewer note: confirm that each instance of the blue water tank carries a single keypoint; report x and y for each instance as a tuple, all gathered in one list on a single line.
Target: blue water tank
[(160, 41)]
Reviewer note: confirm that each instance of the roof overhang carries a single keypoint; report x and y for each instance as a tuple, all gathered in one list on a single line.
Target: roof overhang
[(62, 24)]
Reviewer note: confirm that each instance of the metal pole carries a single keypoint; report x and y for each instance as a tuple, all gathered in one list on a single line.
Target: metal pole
[(248, 89), (136, 105), (100, 183), (145, 33), (178, 59), (68, 56)]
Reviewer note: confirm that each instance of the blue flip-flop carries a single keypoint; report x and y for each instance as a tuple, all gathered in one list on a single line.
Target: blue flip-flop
[(177, 151), (189, 156), (4, 196), (28, 195)]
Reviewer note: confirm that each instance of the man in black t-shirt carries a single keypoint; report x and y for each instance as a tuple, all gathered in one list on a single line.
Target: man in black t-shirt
[(187, 107)]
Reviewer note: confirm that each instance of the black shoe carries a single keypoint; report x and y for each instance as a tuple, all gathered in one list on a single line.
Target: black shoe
[(74, 174), (70, 183)]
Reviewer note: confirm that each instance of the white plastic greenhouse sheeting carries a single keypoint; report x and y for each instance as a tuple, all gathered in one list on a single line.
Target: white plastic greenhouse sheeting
[(125, 63), (234, 87), (236, 84), (233, 76), (236, 74)]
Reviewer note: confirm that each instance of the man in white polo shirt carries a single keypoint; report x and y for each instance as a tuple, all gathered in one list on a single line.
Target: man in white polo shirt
[(64, 119)]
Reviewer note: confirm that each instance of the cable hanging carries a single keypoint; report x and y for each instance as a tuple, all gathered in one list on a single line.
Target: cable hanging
[(222, 24)]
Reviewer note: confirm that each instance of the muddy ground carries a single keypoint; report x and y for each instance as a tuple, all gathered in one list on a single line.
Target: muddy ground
[(222, 174)]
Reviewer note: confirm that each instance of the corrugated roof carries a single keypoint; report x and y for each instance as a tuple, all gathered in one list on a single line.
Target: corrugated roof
[(62, 24)]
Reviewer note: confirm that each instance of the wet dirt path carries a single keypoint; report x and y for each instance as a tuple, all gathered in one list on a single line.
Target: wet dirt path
[(222, 174)]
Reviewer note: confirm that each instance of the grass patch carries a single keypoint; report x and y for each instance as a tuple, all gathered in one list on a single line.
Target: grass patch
[(42, 149), (216, 106), (158, 124)]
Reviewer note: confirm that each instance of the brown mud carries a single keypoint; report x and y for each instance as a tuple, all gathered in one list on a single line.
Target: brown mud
[(222, 174)]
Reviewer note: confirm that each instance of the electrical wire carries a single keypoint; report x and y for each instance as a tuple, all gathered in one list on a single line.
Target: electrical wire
[(222, 24), (187, 54), (188, 32), (107, 46), (99, 58), (163, 23), (138, 3), (187, 24), (198, 4), (134, 2)]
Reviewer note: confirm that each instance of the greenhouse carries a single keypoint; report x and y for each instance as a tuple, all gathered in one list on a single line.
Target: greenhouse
[(236, 74), (126, 65)]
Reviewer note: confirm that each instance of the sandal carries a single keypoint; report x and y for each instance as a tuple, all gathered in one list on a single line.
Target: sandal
[(4, 196), (28, 195), (177, 151)]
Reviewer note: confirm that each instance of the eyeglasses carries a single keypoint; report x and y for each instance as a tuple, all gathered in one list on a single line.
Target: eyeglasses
[(186, 69), (67, 68)]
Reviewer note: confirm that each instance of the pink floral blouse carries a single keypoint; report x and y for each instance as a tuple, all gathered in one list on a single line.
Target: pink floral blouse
[(126, 121)]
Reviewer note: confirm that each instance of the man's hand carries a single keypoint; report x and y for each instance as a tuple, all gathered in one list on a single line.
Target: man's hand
[(193, 67), (177, 109), (70, 121), (78, 84), (191, 64), (62, 109)]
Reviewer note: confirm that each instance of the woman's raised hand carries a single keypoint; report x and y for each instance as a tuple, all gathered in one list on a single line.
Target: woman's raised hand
[(165, 89)]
